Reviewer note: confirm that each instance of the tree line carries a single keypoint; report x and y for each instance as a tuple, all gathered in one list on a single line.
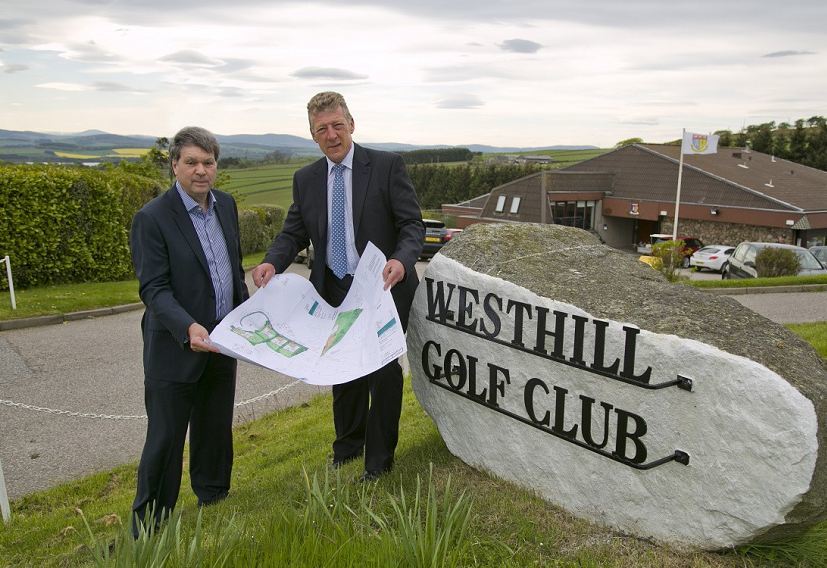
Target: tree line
[(803, 142), (437, 184), (438, 155)]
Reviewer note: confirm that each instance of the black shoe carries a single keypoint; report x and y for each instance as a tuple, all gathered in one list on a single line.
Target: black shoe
[(212, 501), (339, 462), (372, 475)]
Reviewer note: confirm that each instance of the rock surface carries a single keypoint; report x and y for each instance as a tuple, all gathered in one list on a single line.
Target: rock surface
[(556, 346)]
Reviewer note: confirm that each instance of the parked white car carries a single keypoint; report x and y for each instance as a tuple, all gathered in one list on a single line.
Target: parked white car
[(711, 257)]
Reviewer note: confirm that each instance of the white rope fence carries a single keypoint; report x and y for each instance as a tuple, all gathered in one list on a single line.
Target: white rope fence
[(4, 497), (75, 414)]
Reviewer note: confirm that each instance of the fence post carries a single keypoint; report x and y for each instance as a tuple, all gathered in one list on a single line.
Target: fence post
[(4, 497), (7, 260)]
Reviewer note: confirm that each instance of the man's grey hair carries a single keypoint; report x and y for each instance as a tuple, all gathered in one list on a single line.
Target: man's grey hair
[(193, 136), (327, 101)]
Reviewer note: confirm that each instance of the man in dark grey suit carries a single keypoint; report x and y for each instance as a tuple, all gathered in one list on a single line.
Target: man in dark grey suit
[(350, 197), (187, 256)]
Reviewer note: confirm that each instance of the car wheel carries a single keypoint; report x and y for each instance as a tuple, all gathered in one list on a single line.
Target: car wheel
[(723, 268), (685, 262)]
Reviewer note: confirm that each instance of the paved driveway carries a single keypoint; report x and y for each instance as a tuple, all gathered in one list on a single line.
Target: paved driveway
[(93, 366)]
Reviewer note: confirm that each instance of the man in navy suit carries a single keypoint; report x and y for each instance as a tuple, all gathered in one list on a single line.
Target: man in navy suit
[(379, 206), (187, 256)]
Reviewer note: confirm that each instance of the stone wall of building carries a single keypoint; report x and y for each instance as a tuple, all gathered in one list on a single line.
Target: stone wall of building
[(729, 233)]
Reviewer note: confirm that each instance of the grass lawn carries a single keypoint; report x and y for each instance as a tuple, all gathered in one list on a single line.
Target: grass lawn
[(759, 282), (277, 516), (813, 333), (65, 298)]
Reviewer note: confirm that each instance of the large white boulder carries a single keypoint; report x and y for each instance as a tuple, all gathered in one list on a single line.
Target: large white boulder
[(572, 369)]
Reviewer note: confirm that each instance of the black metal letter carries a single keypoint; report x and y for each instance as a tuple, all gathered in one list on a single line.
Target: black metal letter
[(558, 333), (586, 421), (518, 320), (560, 414), (623, 434), (437, 370), (600, 346), (460, 369), (494, 386), (437, 304), (467, 308), (493, 315), (629, 357), (528, 396)]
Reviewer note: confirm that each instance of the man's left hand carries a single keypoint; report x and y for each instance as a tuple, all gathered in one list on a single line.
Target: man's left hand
[(393, 272)]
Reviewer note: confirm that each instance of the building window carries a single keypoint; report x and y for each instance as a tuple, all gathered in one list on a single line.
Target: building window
[(500, 204), (515, 205), (574, 213)]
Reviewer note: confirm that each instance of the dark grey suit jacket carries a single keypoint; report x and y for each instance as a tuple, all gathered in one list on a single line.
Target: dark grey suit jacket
[(174, 282), (385, 212)]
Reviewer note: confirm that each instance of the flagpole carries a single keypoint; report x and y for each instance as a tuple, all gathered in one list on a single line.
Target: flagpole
[(678, 196)]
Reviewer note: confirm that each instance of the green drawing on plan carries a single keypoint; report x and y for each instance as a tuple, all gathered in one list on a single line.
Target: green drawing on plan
[(344, 321), (256, 328)]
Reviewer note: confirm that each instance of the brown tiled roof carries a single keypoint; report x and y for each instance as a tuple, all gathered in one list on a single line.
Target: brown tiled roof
[(649, 171)]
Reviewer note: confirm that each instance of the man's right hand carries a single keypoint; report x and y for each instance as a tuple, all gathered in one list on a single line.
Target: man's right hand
[(263, 273)]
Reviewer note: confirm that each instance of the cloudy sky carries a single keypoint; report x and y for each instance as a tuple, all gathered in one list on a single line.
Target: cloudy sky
[(519, 73)]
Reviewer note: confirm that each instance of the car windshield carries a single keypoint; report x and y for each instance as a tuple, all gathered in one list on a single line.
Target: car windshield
[(807, 260)]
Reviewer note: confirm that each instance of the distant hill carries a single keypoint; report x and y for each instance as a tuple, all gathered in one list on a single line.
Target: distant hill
[(96, 145)]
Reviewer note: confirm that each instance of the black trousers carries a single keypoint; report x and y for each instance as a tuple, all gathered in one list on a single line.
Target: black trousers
[(366, 411), (206, 408)]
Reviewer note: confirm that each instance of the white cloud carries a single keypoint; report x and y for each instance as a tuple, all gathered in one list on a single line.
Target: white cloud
[(72, 87), (460, 101), (327, 73), (520, 46), (524, 73)]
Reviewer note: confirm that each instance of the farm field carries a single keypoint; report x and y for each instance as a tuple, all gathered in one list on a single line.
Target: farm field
[(270, 184)]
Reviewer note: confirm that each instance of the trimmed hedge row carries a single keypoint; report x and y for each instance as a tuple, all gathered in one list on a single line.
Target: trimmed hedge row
[(258, 226), (68, 224), (63, 224)]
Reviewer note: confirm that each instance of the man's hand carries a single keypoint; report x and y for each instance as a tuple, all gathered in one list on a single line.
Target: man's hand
[(393, 273), (199, 339), (263, 273)]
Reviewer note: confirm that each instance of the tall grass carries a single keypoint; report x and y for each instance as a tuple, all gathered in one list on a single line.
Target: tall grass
[(337, 524)]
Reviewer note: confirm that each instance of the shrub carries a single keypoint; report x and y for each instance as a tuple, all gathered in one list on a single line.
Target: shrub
[(258, 226), (64, 224), (670, 254), (775, 261)]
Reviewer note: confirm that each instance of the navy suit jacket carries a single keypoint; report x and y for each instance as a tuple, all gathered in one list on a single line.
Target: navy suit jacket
[(385, 212), (174, 282)]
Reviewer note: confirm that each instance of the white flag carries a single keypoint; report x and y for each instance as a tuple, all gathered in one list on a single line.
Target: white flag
[(699, 143)]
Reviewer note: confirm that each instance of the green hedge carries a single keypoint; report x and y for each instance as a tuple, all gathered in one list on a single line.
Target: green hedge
[(258, 226), (67, 224), (62, 224)]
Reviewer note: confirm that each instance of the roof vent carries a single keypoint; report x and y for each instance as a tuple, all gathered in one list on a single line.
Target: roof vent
[(737, 155), (769, 184), (772, 159), (746, 167)]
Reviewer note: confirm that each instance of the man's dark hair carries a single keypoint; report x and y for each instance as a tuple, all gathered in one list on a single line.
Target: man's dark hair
[(193, 136)]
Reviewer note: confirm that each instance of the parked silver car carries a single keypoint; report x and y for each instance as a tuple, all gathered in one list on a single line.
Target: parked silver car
[(742, 262), (820, 252)]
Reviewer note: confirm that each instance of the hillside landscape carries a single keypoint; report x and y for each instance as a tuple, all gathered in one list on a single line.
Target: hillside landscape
[(99, 146)]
